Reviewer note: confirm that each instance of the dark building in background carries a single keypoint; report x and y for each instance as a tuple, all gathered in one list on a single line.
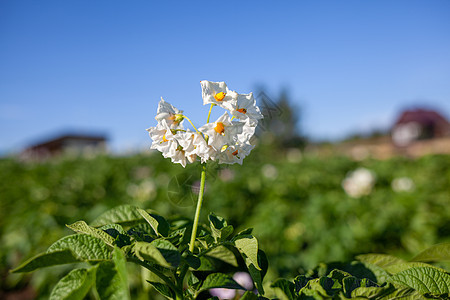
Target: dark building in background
[(77, 144), (419, 124)]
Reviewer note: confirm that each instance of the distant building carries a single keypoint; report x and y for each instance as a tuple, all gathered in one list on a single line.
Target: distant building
[(70, 143), (419, 124)]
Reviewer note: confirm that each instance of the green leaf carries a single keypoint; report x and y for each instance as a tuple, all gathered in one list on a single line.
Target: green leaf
[(111, 279), (350, 283), (113, 229), (322, 286), (219, 228), (248, 247), (393, 269), (125, 215), (249, 295), (224, 254), (300, 282), (147, 251), (74, 285), (436, 253), (82, 227), (46, 260), (401, 294), (158, 223), (168, 250), (424, 280), (258, 275), (381, 260), (69, 249), (121, 266), (84, 247), (372, 292), (284, 289), (163, 289), (192, 260), (220, 280)]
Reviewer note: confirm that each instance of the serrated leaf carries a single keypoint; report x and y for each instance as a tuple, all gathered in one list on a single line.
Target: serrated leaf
[(125, 215), (84, 247), (46, 260), (74, 285), (168, 250), (220, 280), (224, 254), (436, 253), (111, 278), (284, 289), (158, 223), (82, 227), (424, 280), (248, 246), (163, 289), (147, 251), (381, 260)]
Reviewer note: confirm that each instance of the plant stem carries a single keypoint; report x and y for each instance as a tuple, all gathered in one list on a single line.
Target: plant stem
[(191, 123), (197, 211)]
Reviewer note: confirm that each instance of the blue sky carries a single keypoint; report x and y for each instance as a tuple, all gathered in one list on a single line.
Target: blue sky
[(102, 66)]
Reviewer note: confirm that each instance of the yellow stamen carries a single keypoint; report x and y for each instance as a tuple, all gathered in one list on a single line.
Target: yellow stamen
[(219, 128), (242, 110), (164, 138), (219, 96)]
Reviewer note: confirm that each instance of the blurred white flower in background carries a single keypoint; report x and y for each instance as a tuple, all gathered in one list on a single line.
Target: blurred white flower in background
[(359, 182), (402, 184), (226, 175), (294, 155), (242, 278), (144, 191), (269, 171)]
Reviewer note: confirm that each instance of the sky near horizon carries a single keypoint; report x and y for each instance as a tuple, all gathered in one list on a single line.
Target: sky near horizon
[(102, 66)]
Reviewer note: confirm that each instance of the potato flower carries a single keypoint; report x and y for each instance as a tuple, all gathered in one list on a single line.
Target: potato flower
[(218, 93)]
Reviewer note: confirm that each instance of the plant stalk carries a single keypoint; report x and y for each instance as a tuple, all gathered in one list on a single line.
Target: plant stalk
[(199, 206)]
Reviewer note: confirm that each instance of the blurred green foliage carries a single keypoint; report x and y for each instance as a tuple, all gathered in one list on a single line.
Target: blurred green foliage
[(299, 211)]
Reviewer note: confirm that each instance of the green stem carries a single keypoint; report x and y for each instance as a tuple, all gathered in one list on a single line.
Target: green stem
[(191, 123), (209, 114), (197, 211)]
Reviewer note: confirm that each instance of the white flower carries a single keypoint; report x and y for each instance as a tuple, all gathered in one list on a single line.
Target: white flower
[(222, 132), (218, 93), (234, 153), (225, 141), (402, 184), (359, 183), (246, 109), (162, 136), (173, 116)]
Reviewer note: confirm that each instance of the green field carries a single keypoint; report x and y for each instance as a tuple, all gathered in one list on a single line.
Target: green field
[(300, 213)]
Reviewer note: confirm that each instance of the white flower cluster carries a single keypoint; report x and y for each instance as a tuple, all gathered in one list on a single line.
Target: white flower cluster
[(227, 140), (359, 182)]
